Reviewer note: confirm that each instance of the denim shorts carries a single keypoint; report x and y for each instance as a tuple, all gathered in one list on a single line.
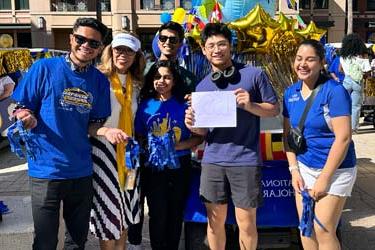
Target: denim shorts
[(241, 183)]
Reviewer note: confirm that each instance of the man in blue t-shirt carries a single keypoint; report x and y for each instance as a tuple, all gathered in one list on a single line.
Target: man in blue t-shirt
[(231, 161), (61, 100)]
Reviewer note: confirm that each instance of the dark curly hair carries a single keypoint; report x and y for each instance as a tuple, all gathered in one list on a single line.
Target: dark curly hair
[(148, 91), (352, 45)]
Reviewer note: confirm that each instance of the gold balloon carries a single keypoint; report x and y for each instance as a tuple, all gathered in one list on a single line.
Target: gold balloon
[(195, 34), (255, 31), (285, 22), (312, 32), (6, 41)]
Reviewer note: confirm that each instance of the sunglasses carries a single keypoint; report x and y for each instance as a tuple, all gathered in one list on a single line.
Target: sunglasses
[(172, 39), (94, 44), (124, 50)]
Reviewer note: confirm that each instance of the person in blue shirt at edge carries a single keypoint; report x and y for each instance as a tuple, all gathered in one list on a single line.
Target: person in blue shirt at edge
[(231, 165), (326, 168), (61, 100), (335, 69), (162, 111), (171, 35)]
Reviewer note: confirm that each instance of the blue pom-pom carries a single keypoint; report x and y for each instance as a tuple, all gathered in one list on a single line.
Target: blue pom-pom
[(165, 17)]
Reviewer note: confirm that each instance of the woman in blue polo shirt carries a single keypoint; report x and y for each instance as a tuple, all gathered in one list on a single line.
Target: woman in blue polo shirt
[(326, 168)]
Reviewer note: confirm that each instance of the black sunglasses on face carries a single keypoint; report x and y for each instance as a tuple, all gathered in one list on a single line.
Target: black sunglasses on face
[(172, 39), (94, 44)]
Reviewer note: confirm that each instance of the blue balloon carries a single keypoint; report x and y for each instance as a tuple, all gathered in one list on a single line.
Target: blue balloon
[(235, 9), (196, 3), (165, 17)]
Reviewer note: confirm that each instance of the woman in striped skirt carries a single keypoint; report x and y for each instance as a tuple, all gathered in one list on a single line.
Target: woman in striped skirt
[(116, 199)]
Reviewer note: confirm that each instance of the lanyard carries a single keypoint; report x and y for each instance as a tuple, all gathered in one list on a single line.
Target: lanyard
[(306, 225), (132, 154)]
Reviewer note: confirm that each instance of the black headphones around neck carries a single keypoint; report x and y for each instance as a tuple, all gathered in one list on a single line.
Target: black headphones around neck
[(223, 78)]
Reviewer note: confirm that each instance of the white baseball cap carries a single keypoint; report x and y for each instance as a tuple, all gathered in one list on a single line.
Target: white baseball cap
[(127, 40)]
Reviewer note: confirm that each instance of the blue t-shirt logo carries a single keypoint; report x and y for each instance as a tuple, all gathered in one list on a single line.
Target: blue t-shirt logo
[(76, 98), (293, 98)]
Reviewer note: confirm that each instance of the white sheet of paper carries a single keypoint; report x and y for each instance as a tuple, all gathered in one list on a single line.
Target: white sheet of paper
[(214, 109)]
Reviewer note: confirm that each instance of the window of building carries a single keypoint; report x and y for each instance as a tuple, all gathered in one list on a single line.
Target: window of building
[(22, 4), (167, 4), (370, 4), (106, 5), (24, 40), (164, 4), (186, 4), (79, 5), (355, 5), (5, 5), (305, 4), (148, 4), (321, 4)]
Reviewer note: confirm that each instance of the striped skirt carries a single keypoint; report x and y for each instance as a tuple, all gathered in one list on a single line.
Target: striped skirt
[(113, 209)]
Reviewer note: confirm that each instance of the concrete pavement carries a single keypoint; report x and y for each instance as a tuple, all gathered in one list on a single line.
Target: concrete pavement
[(358, 220)]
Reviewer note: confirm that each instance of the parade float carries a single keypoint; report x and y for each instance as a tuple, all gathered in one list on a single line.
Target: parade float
[(270, 43)]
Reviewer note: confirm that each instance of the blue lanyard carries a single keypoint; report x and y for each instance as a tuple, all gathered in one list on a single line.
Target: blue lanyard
[(132, 154), (306, 225), (16, 134)]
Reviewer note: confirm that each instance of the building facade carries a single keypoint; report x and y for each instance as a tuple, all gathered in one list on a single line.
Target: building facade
[(47, 23)]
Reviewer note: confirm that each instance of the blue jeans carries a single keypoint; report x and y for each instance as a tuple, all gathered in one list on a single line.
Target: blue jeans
[(355, 91)]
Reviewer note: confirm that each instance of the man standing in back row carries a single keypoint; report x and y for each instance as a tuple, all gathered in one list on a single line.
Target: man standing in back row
[(60, 100), (231, 163)]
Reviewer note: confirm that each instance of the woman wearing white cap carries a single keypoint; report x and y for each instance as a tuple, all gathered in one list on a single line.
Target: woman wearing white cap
[(116, 199)]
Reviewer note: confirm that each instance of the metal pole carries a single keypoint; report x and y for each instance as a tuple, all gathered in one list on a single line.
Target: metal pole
[(350, 17), (98, 10)]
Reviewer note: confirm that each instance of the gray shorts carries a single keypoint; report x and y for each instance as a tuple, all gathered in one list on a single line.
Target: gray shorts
[(242, 184)]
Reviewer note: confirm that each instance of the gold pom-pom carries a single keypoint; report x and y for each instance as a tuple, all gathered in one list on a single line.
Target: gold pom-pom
[(6, 41)]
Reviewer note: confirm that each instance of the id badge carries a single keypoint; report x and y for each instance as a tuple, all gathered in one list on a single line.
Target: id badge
[(130, 179)]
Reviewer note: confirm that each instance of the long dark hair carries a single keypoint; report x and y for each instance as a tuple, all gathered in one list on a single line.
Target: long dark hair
[(148, 91), (320, 52), (353, 45)]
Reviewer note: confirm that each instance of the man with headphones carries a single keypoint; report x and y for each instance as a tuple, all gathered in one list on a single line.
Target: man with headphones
[(231, 162)]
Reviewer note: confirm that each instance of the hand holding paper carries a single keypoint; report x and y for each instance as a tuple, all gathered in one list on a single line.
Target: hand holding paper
[(214, 109)]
